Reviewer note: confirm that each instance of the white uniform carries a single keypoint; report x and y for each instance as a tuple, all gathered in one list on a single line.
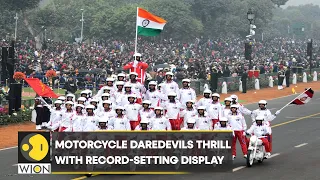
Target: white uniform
[(203, 122), (138, 88), (100, 92), (124, 99), (120, 123), (215, 110), (146, 113), (259, 130), (187, 129), (55, 119), (156, 98), (218, 127), (132, 111), (225, 111), (237, 122), (170, 87), (206, 102), (268, 116), (82, 124), (160, 124), (186, 114), (172, 109), (243, 110), (94, 119), (107, 114), (67, 121), (186, 95)]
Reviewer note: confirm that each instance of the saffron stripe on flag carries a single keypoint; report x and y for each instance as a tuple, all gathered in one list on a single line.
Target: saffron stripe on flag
[(147, 15)]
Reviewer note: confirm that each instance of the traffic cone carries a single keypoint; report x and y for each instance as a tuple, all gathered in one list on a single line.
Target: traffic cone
[(293, 91)]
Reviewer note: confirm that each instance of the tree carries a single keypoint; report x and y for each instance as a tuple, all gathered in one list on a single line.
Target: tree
[(279, 2)]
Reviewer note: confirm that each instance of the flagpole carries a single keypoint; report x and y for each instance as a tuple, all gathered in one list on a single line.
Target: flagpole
[(136, 40), (293, 100)]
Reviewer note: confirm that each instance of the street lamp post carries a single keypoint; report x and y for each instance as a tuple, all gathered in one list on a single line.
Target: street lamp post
[(81, 26), (16, 27), (250, 17)]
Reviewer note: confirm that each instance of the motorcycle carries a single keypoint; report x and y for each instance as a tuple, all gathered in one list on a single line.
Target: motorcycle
[(256, 150)]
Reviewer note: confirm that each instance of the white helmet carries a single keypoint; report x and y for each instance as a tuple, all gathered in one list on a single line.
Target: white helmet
[(215, 95), (186, 80), (160, 84), (69, 102), (132, 95), (172, 94), (62, 98), (105, 95), (58, 102), (233, 96), (201, 108), (158, 108), (80, 105), (120, 108), (259, 118), (121, 75), (89, 92), (144, 121), (70, 95), (127, 85), (81, 99), (223, 119), (152, 83), (107, 102), (169, 73), (103, 120), (84, 92), (147, 102), (207, 91), (234, 106), (262, 102), (94, 100), (133, 73), (110, 79), (192, 101), (191, 121), (228, 99), (90, 107), (137, 55), (119, 83)]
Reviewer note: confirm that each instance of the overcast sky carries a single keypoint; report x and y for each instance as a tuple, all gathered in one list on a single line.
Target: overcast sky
[(301, 2)]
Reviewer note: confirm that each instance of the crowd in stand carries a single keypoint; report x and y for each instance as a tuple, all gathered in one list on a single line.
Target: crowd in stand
[(193, 59)]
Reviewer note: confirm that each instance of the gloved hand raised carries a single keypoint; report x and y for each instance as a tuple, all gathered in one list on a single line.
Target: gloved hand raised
[(277, 112)]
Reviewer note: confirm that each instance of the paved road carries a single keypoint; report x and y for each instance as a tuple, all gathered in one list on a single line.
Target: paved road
[(296, 143)]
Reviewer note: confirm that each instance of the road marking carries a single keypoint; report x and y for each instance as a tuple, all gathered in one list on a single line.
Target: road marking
[(238, 168), (84, 177), (274, 155), (8, 148), (294, 120), (300, 117), (300, 145)]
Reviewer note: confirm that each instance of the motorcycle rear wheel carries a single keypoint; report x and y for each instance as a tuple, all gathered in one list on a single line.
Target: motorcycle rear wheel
[(250, 159)]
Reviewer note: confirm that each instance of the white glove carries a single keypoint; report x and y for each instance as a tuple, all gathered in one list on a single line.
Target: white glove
[(135, 63), (244, 133), (277, 112)]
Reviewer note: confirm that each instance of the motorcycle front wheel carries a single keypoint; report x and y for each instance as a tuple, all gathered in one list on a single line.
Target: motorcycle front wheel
[(250, 158)]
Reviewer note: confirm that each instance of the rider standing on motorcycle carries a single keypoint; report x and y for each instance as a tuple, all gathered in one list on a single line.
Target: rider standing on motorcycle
[(202, 120), (261, 129), (239, 125), (266, 113)]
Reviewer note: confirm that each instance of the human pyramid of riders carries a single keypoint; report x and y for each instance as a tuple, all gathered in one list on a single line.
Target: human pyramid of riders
[(127, 105)]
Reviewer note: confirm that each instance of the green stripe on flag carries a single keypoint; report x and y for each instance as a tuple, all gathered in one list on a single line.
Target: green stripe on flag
[(148, 31)]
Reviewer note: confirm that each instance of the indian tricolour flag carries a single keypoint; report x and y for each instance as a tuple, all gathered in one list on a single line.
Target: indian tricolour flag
[(149, 24)]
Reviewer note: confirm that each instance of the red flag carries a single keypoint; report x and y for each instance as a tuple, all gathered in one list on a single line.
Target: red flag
[(304, 97), (40, 88)]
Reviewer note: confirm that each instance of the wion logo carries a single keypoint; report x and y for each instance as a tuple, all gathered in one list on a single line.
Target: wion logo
[(34, 153)]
